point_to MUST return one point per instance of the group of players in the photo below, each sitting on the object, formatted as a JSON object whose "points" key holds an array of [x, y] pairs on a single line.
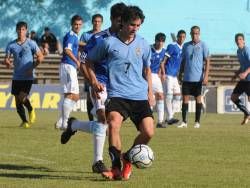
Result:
{"points": [[127, 77]]}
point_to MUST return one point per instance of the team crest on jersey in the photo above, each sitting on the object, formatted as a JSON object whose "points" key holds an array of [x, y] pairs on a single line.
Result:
{"points": [[138, 51]]}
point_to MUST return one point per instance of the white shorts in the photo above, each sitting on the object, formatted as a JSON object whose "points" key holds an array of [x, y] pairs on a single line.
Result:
{"points": [[68, 78], [98, 103], [171, 85], [156, 83]]}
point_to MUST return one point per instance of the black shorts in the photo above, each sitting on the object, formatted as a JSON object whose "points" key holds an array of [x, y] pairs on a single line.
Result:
{"points": [[192, 88], [137, 110], [241, 87], [21, 86]]}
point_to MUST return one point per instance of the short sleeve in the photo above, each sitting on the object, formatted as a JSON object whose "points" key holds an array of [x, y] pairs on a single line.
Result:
{"points": [[69, 42], [169, 51], [146, 54], [98, 52], [205, 51]]}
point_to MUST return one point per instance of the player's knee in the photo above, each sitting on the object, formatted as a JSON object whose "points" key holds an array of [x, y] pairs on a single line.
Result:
{"points": [[169, 97], [234, 98], [99, 129]]}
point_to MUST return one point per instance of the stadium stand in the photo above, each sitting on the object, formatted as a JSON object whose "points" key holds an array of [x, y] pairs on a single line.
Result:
{"points": [[222, 68]]}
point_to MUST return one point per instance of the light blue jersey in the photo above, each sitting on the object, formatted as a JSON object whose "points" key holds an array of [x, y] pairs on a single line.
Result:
{"points": [[244, 59], [70, 41], [193, 56], [23, 58], [125, 66], [100, 66], [157, 57], [86, 36], [173, 63]]}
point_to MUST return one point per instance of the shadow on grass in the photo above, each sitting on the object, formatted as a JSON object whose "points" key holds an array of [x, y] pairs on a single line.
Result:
{"points": [[22, 167]]}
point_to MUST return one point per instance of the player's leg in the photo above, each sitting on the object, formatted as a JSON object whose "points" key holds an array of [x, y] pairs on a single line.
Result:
{"points": [[235, 97], [198, 99], [185, 99], [169, 97], [176, 99]]}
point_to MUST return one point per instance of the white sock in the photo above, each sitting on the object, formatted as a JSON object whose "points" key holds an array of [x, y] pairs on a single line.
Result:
{"points": [[99, 141], [84, 126], [68, 106], [169, 108], [160, 110]]}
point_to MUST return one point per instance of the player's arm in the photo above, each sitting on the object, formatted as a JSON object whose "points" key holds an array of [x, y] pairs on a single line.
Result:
{"points": [[162, 68], [206, 71], [7, 61], [148, 76], [69, 53], [244, 74], [39, 58]]}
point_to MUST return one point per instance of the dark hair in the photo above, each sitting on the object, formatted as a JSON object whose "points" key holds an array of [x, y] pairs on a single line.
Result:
{"points": [[97, 16], [181, 32], [239, 35], [160, 37], [46, 29], [117, 10], [75, 18], [195, 27], [132, 13], [21, 24]]}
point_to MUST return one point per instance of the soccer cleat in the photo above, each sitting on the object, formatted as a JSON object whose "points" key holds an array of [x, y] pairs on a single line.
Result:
{"points": [[126, 169], [172, 121], [25, 125], [245, 120], [160, 125], [113, 174], [99, 167], [66, 135], [197, 125], [182, 125], [32, 116]]}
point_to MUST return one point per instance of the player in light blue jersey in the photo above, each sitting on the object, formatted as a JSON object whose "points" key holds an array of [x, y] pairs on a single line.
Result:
{"points": [[97, 21], [68, 71], [97, 128], [129, 87], [170, 68], [243, 74], [157, 55], [194, 54], [23, 49]]}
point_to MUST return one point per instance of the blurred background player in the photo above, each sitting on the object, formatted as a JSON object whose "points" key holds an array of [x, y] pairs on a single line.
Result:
{"points": [[23, 49], [97, 128], [68, 71], [157, 55], [97, 21], [195, 62], [170, 68], [243, 85]]}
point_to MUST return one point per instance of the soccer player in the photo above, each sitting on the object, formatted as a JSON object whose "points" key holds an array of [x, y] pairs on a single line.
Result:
{"points": [[129, 88], [97, 21], [68, 71], [243, 85], [170, 68], [97, 128], [23, 49], [157, 55], [195, 59]]}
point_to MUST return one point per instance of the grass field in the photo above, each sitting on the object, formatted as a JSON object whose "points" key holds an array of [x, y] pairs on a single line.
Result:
{"points": [[216, 155]]}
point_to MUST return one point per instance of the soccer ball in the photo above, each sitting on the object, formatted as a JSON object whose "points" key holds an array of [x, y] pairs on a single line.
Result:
{"points": [[141, 156]]}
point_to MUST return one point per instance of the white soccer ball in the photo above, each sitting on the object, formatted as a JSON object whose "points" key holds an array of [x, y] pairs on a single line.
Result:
{"points": [[141, 156]]}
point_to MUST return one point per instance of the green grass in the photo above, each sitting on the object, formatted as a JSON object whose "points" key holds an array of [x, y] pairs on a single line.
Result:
{"points": [[216, 155]]}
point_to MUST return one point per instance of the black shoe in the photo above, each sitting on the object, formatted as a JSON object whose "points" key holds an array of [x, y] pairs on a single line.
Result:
{"points": [[66, 135], [99, 167], [160, 125], [172, 121]]}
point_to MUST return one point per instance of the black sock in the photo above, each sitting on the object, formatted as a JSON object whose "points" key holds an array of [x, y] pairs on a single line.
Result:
{"points": [[240, 105], [115, 155], [21, 112], [28, 105], [126, 154], [198, 112], [184, 111], [89, 108]]}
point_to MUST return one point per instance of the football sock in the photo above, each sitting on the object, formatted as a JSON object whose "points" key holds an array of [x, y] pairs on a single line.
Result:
{"points": [[240, 105], [68, 106], [28, 105], [21, 112], [169, 107], [198, 112], [184, 112], [99, 141], [160, 110], [115, 155]]}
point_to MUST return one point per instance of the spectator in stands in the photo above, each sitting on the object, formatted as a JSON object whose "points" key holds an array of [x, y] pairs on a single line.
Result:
{"points": [[33, 36], [195, 63], [22, 50], [49, 38], [97, 21], [243, 74]]}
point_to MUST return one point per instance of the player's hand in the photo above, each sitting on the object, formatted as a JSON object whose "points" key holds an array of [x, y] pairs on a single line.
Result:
{"points": [[8, 64], [96, 89], [205, 81]]}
